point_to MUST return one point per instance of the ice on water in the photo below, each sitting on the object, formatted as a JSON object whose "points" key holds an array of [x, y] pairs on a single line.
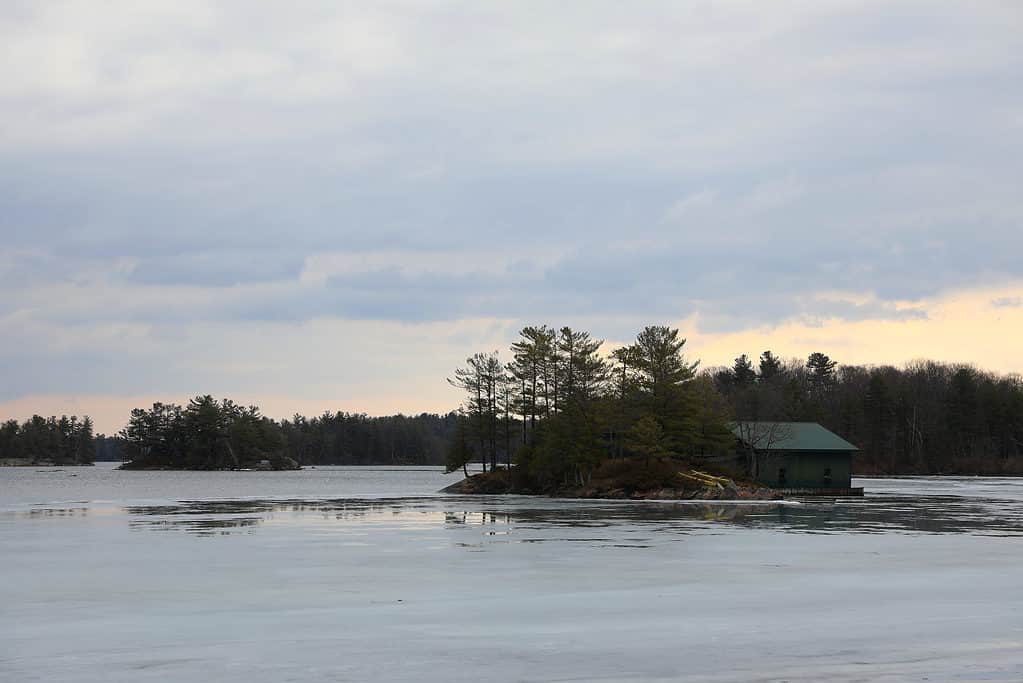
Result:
{"points": [[366, 574]]}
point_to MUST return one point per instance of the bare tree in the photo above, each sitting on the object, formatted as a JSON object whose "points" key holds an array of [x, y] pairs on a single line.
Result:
{"points": [[761, 437]]}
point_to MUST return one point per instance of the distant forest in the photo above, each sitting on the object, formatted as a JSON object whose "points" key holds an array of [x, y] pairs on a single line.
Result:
{"points": [[61, 441], [560, 406]]}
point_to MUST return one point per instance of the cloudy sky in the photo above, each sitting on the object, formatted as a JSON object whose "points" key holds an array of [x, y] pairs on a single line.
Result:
{"points": [[323, 205]]}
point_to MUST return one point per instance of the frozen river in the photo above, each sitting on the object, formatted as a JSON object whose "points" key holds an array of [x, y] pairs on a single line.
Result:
{"points": [[343, 574]]}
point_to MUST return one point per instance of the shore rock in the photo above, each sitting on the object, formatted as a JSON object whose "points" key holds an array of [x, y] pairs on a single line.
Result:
{"points": [[500, 482], [484, 483]]}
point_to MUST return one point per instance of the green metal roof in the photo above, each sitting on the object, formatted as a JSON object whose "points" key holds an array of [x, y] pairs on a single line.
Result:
{"points": [[790, 436]]}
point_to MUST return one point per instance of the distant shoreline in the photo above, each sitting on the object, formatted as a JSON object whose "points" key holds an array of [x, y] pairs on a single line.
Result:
{"points": [[25, 462]]}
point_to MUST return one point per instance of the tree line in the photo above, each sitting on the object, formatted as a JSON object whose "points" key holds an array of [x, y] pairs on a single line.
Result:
{"points": [[924, 418], [61, 441], [110, 448], [357, 439], [559, 405], [220, 434]]}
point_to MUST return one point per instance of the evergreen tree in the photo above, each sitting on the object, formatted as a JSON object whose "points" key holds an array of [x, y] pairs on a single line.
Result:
{"points": [[822, 371], [711, 414], [85, 442], [647, 439], [206, 424], [743, 374], [626, 363], [661, 364], [478, 379], [530, 356], [11, 442], [663, 373], [770, 366]]}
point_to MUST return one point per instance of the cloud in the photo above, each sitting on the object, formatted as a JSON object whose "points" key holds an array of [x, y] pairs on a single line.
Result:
{"points": [[219, 268], [181, 171]]}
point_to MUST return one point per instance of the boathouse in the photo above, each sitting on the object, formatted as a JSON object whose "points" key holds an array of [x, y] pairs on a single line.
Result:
{"points": [[798, 457]]}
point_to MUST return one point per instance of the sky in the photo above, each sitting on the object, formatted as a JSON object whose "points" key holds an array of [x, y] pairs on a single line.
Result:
{"points": [[321, 206]]}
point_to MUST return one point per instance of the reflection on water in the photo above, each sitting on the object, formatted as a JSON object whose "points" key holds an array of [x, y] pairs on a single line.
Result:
{"points": [[56, 512], [885, 513]]}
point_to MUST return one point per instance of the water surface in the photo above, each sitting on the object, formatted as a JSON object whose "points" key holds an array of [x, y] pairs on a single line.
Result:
{"points": [[368, 574]]}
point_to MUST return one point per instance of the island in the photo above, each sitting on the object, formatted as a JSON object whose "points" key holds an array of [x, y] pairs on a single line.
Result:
{"points": [[207, 434], [47, 442], [220, 434]]}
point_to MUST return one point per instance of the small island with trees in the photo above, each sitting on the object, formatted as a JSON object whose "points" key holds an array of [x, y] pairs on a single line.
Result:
{"points": [[212, 434], [40, 441], [567, 421]]}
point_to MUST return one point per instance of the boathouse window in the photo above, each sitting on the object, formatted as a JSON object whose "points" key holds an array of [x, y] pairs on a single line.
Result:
{"points": [[827, 476], [781, 476]]}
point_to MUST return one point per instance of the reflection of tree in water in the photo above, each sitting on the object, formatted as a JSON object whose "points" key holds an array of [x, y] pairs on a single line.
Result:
{"points": [[203, 526], [53, 512], [468, 518], [207, 517], [871, 515], [631, 513], [347, 505]]}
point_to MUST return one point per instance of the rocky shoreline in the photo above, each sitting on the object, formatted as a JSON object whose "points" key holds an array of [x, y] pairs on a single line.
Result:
{"points": [[681, 484]]}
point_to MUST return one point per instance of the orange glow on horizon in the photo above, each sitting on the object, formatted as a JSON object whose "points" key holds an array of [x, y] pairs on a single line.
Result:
{"points": [[982, 326]]}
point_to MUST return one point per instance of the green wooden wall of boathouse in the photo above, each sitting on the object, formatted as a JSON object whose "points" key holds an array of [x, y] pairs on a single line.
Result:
{"points": [[805, 469]]}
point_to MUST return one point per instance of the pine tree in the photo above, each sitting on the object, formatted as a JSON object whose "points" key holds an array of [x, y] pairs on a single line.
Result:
{"points": [[85, 447], [626, 359], [206, 424], [712, 415], [770, 366], [822, 373], [742, 372], [647, 439], [663, 373], [530, 356], [479, 379]]}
